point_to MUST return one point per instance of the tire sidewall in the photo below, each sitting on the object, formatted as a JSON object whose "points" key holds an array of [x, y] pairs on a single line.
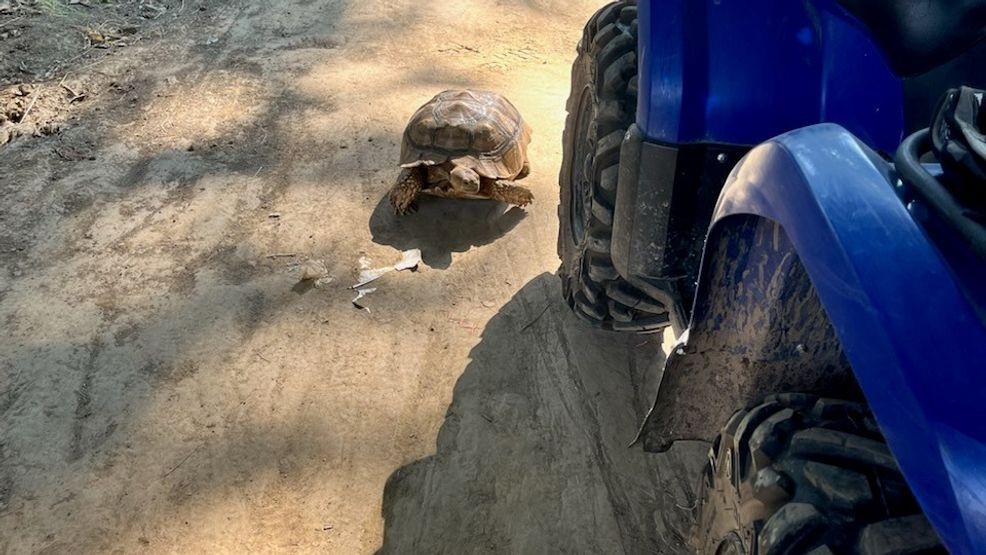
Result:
{"points": [[571, 249]]}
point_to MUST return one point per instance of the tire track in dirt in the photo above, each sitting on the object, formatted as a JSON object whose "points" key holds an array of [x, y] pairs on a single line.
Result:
{"points": [[83, 400]]}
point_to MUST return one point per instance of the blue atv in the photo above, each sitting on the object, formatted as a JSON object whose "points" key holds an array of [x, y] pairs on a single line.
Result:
{"points": [[739, 171]]}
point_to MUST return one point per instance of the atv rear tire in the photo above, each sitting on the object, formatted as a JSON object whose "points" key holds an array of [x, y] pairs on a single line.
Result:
{"points": [[800, 474], [601, 108]]}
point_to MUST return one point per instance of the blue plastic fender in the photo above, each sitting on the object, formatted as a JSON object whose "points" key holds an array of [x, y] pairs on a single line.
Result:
{"points": [[914, 341], [731, 72]]}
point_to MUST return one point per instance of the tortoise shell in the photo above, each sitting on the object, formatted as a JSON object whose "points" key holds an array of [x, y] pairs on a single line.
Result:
{"points": [[481, 130]]}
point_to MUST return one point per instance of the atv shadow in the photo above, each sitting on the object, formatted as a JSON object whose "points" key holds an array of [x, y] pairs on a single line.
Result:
{"points": [[532, 456], [440, 227]]}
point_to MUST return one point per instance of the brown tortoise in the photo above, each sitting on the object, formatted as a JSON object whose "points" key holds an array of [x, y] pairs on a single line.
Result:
{"points": [[464, 144]]}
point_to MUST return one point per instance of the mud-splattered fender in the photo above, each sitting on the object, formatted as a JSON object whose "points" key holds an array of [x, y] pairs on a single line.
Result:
{"points": [[816, 277]]}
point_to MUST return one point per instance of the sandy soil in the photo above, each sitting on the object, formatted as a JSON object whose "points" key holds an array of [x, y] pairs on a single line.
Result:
{"points": [[168, 385]]}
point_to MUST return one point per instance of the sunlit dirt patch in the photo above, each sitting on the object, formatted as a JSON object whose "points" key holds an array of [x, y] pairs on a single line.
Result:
{"points": [[27, 110], [196, 110]]}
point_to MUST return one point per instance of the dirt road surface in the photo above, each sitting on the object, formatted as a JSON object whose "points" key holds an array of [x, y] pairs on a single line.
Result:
{"points": [[166, 383]]}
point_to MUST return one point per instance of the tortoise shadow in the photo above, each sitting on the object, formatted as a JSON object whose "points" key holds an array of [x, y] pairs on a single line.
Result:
{"points": [[440, 227]]}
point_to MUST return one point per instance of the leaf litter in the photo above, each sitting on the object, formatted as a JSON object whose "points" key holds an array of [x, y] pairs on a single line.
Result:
{"points": [[410, 259]]}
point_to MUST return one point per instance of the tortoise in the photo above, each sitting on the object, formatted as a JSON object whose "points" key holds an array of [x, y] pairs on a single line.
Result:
{"points": [[464, 144]]}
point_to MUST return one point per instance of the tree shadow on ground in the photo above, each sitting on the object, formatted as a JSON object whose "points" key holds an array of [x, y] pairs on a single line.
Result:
{"points": [[533, 455], [440, 227]]}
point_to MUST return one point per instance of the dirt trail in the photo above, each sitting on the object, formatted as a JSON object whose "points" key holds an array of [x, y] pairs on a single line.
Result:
{"points": [[166, 385]]}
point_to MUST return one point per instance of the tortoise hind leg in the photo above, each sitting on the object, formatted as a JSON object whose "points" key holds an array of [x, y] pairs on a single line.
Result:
{"points": [[406, 190], [506, 191]]}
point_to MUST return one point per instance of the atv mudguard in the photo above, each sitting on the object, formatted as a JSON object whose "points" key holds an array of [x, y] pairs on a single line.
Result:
{"points": [[815, 277]]}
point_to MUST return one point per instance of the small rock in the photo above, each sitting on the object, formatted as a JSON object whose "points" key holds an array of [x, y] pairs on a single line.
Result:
{"points": [[49, 128], [312, 269]]}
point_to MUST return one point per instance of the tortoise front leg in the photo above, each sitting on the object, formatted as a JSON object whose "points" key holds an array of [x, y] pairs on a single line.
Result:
{"points": [[506, 191], [408, 186]]}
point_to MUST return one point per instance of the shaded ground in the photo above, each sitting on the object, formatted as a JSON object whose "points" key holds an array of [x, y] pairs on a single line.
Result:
{"points": [[533, 457], [166, 387]]}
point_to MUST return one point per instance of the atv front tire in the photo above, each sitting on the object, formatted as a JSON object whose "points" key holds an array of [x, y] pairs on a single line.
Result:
{"points": [[601, 108], [801, 474]]}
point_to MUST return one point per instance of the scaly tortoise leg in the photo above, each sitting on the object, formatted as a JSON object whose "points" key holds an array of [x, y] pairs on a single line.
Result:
{"points": [[406, 190], [506, 191]]}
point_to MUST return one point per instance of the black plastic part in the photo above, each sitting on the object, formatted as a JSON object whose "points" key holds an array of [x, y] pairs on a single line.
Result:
{"points": [[918, 35], [664, 204], [916, 179], [640, 222], [803, 474], [700, 174], [921, 92], [640, 226], [958, 139], [951, 204]]}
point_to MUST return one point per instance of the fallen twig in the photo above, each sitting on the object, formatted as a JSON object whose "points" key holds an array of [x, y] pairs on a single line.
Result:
{"points": [[360, 293], [9, 21], [34, 99], [62, 155], [67, 88], [536, 318], [182, 461], [75, 95], [282, 255], [64, 63], [687, 507]]}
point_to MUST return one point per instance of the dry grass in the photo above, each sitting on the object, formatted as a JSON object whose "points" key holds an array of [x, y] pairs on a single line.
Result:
{"points": [[54, 8]]}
